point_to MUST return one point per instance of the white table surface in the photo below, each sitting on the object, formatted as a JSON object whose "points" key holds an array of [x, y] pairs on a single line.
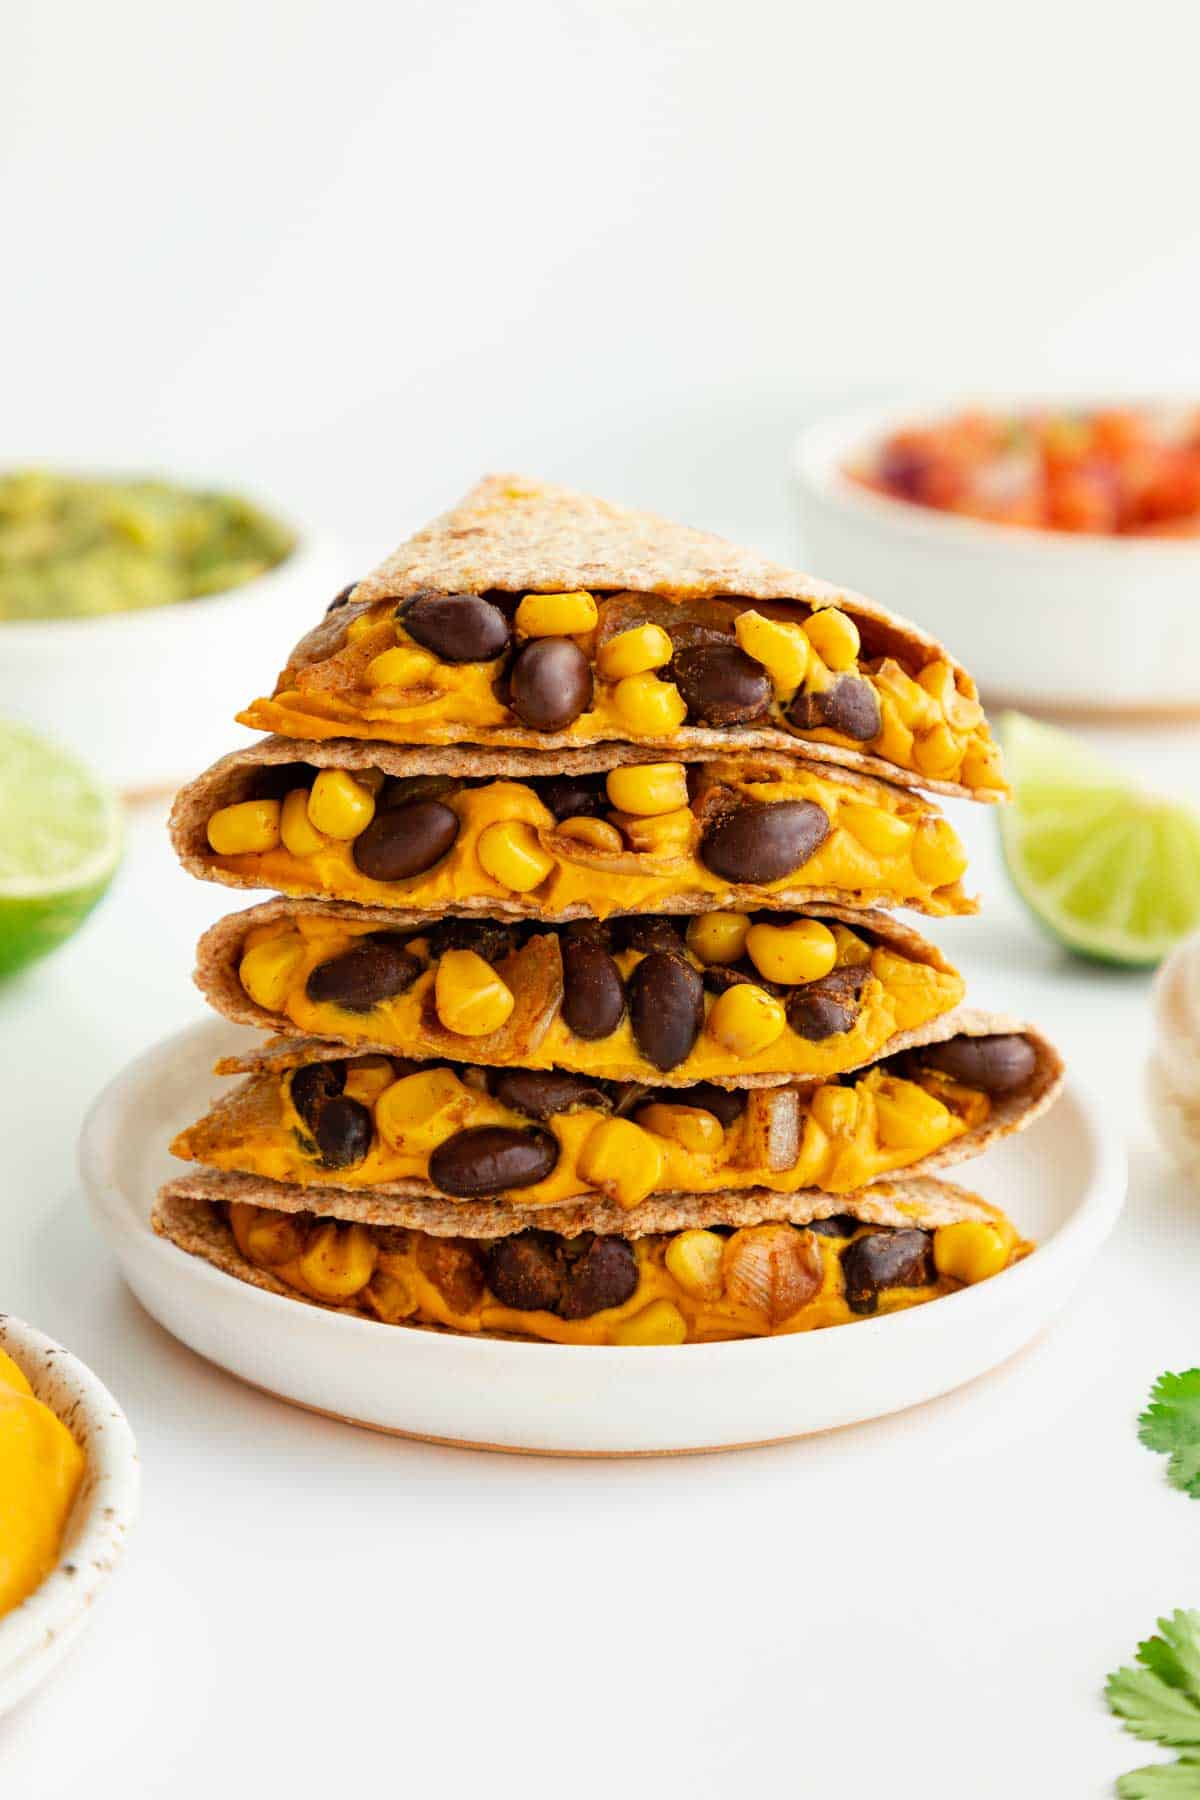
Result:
{"points": [[925, 1605]]}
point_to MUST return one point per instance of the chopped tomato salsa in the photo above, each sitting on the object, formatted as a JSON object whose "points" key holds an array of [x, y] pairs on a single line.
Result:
{"points": [[1121, 472]]}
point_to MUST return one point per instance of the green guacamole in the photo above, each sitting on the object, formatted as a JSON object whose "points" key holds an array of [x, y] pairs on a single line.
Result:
{"points": [[72, 547]]}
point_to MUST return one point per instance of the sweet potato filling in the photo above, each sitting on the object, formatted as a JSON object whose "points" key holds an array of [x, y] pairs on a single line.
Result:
{"points": [[614, 843], [632, 1000], [696, 1286], [535, 1140], [639, 667]]}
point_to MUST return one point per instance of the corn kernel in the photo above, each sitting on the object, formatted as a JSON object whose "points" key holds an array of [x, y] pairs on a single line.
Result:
{"points": [[658, 1323], [556, 615], [694, 1259], [469, 996], [937, 855], [970, 1250], [361, 626], [391, 1296], [295, 826], [745, 1020], [937, 752], [802, 951], [401, 667], [781, 649], [339, 805], [666, 835], [250, 827], [648, 789], [510, 852], [835, 1109], [958, 709], [895, 741], [340, 1260], [597, 834], [418, 1111], [649, 707], [691, 1127], [265, 1237], [268, 969], [622, 1160], [367, 1077], [881, 832], [913, 707], [634, 652], [834, 637], [852, 951], [981, 766], [718, 937], [907, 1117]]}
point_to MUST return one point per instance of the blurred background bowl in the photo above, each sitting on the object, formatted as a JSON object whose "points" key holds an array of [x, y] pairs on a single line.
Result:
{"points": [[1057, 622], [36, 1634], [147, 697]]}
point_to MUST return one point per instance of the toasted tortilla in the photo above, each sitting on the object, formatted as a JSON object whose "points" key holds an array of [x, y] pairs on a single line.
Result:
{"points": [[232, 779], [184, 1212], [522, 536], [253, 1102], [219, 954]]}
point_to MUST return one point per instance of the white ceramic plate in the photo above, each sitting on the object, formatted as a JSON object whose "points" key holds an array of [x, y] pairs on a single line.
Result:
{"points": [[38, 1632], [1040, 618], [1063, 1182]]}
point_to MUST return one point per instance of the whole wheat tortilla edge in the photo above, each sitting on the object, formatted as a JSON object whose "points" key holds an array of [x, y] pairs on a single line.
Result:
{"points": [[218, 955], [914, 1200]]}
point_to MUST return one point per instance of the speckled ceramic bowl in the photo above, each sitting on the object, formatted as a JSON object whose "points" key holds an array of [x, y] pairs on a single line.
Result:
{"points": [[37, 1634]]}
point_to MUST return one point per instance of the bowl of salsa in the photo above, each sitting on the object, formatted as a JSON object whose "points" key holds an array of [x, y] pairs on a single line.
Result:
{"points": [[1054, 545], [134, 609]]}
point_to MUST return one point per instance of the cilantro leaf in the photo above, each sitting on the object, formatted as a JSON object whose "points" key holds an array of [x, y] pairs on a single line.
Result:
{"points": [[1179, 1780], [1172, 1419], [1160, 1700], [1174, 1656]]}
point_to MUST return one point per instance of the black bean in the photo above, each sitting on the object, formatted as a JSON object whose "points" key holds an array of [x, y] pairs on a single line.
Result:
{"points": [[885, 1259], [590, 931], [826, 1008], [841, 1225], [490, 938], [374, 970], [341, 599], [1001, 1064], [666, 1008], [574, 796], [550, 684], [720, 977], [605, 1275], [593, 1002], [398, 790], [275, 781], [489, 1159], [343, 1132], [850, 705], [313, 1085], [525, 1271], [727, 1104], [542, 1094], [761, 843], [458, 628], [405, 840], [721, 685], [646, 934]]}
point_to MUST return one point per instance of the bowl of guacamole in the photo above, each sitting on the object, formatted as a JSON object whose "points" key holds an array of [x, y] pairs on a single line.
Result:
{"points": [[137, 611], [85, 546]]}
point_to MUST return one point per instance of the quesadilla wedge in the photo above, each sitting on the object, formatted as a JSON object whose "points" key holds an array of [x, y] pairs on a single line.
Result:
{"points": [[596, 832], [381, 1126], [697, 1271], [741, 998], [532, 616]]}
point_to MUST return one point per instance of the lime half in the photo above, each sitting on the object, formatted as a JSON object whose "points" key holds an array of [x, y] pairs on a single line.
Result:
{"points": [[60, 842], [1112, 872]]}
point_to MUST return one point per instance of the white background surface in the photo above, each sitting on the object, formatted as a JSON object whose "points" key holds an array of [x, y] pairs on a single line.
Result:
{"points": [[351, 256]]}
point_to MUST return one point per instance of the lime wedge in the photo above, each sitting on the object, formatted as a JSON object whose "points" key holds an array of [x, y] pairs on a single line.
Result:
{"points": [[60, 842], [1110, 871]]}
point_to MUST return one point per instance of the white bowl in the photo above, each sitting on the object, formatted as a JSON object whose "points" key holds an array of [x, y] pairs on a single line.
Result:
{"points": [[148, 697], [36, 1634], [1063, 1181], [1083, 625]]}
